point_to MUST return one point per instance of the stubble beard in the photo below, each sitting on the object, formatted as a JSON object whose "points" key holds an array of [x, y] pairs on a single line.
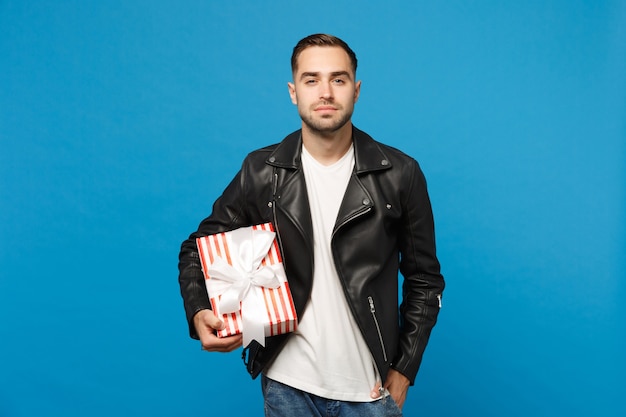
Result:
{"points": [[325, 126]]}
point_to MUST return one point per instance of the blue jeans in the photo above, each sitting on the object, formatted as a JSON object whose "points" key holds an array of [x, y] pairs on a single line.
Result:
{"points": [[284, 401]]}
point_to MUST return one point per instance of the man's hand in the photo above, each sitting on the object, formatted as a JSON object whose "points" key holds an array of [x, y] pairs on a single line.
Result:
{"points": [[206, 324], [397, 385]]}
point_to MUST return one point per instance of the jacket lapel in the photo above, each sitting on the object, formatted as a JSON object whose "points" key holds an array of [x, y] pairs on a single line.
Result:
{"points": [[291, 195], [368, 157]]}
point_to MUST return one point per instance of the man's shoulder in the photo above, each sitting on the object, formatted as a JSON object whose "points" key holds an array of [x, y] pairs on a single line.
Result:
{"points": [[264, 151], [270, 148], [263, 154], [391, 152]]}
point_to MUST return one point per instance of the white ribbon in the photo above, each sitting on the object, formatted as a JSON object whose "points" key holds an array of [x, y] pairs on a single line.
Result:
{"points": [[247, 248]]}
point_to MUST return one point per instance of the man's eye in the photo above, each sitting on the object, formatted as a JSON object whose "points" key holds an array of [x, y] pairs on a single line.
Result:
{"points": [[310, 81], [339, 81]]}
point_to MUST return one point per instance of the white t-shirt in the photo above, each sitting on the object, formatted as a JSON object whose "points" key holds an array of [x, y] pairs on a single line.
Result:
{"points": [[327, 356]]}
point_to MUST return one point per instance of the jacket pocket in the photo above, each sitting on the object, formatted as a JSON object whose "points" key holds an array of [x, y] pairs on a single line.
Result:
{"points": [[380, 335]]}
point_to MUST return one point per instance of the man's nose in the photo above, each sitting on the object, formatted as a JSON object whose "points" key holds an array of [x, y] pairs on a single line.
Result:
{"points": [[326, 91]]}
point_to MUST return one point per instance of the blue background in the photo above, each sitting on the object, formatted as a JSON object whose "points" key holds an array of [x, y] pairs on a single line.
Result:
{"points": [[122, 121]]}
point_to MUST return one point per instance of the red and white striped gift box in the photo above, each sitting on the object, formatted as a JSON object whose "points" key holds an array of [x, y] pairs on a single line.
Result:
{"points": [[279, 315]]}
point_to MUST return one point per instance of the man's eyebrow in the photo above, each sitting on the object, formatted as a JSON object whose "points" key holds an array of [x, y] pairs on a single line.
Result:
{"points": [[309, 74], [332, 74], [341, 74]]}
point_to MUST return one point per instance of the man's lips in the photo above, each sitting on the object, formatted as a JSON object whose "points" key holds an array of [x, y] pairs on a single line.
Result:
{"points": [[325, 108]]}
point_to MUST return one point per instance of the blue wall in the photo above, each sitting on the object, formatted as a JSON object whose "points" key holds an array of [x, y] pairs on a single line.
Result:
{"points": [[121, 122]]}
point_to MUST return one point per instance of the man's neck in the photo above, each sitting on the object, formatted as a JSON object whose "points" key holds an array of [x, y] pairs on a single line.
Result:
{"points": [[327, 148]]}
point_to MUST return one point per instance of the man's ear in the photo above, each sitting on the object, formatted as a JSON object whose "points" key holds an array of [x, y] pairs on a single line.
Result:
{"points": [[292, 93], [357, 91]]}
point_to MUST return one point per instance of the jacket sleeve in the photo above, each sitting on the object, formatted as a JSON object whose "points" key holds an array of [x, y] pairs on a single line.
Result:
{"points": [[423, 283], [228, 214]]}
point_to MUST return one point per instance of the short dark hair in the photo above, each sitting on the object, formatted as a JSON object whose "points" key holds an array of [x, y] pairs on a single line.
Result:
{"points": [[321, 39]]}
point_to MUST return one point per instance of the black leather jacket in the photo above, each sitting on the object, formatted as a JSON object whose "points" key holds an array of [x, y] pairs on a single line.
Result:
{"points": [[385, 225]]}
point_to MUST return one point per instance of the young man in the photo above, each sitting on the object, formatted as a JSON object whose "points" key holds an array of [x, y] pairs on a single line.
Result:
{"points": [[349, 213]]}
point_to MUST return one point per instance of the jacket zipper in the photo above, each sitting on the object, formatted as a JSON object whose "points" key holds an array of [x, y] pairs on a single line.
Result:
{"points": [[358, 212], [349, 219], [380, 336], [273, 205]]}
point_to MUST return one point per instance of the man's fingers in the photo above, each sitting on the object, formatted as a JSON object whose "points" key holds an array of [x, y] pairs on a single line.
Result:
{"points": [[206, 324], [375, 392], [206, 318], [397, 385], [213, 322], [212, 343]]}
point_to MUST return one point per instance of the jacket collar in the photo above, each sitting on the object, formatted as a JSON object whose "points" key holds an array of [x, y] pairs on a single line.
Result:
{"points": [[368, 156]]}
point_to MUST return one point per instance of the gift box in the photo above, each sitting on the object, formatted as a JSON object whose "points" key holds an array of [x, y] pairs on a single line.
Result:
{"points": [[246, 282]]}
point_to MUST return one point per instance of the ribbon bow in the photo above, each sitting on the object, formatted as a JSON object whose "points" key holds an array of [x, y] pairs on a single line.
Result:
{"points": [[247, 247]]}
